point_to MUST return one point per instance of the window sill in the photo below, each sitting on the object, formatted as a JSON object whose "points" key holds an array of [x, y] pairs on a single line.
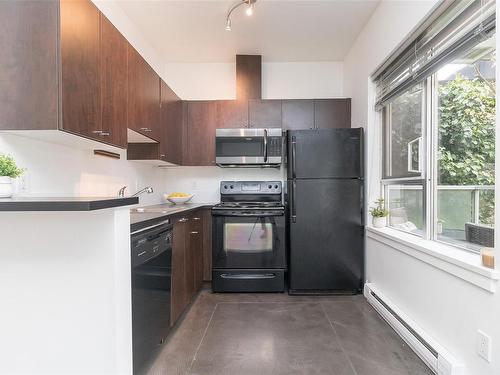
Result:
{"points": [[462, 264]]}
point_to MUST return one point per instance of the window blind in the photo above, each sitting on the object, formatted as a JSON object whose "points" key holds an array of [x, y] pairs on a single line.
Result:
{"points": [[459, 26]]}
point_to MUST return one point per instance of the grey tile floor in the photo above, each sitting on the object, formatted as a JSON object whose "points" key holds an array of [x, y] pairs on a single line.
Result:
{"points": [[260, 334]]}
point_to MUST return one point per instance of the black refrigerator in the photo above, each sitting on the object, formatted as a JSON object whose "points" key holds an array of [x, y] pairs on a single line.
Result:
{"points": [[325, 211]]}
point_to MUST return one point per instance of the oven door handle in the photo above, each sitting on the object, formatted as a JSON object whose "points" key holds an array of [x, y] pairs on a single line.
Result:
{"points": [[215, 213], [248, 276]]}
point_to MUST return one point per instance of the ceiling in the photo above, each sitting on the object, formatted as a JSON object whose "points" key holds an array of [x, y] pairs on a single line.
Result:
{"points": [[279, 30]]}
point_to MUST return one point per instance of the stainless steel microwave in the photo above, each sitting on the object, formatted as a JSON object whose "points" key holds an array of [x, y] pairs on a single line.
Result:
{"points": [[248, 147]]}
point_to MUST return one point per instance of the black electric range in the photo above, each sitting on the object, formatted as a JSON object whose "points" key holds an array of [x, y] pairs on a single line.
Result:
{"points": [[248, 248]]}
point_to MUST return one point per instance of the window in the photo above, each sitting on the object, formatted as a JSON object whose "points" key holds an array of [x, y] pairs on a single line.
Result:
{"points": [[436, 96], [439, 152], [465, 164], [403, 121]]}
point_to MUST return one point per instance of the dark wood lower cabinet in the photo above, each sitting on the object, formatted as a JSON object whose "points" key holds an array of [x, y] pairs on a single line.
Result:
{"points": [[187, 261], [178, 291], [207, 245], [197, 248]]}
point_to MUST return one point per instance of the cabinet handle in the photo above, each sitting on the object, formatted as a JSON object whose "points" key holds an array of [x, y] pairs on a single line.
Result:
{"points": [[146, 129], [194, 232], [183, 220], [196, 218], [102, 133], [162, 155]]}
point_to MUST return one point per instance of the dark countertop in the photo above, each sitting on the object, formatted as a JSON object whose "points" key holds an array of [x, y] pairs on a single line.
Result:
{"points": [[159, 212], [64, 203]]}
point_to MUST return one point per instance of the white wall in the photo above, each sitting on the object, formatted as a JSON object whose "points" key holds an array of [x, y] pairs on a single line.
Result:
{"points": [[56, 170], [280, 80], [450, 309], [384, 31], [204, 181]]}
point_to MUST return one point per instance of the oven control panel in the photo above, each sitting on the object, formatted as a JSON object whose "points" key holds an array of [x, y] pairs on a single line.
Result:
{"points": [[250, 187]]}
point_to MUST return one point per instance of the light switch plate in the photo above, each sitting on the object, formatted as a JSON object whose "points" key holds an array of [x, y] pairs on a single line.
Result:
{"points": [[483, 345]]}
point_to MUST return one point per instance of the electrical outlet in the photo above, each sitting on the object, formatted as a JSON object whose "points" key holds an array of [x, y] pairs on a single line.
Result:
{"points": [[483, 345]]}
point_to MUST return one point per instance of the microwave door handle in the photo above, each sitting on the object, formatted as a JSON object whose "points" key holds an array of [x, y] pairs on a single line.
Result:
{"points": [[265, 145]]}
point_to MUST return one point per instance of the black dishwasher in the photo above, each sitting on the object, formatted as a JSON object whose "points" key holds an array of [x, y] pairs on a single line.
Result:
{"points": [[151, 259]]}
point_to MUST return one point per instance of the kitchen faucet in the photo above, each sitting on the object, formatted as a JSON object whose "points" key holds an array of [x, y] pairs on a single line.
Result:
{"points": [[147, 189]]}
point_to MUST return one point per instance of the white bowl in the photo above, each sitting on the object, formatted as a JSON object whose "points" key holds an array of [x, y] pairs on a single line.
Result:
{"points": [[178, 200]]}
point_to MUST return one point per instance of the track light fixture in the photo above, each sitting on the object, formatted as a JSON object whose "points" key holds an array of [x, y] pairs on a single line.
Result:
{"points": [[248, 11]]}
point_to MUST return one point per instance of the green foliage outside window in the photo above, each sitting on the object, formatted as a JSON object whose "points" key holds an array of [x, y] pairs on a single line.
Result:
{"points": [[467, 137]]}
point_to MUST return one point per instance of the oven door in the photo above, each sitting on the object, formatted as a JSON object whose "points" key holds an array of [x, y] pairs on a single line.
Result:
{"points": [[240, 146], [248, 240]]}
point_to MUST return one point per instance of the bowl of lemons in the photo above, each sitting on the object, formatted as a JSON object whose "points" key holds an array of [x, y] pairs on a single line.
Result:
{"points": [[178, 198]]}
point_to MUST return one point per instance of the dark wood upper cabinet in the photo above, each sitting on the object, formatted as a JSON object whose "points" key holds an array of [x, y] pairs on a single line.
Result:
{"points": [[80, 68], [143, 96], [232, 113], [332, 113], [298, 114], [200, 135], [264, 113], [28, 65], [248, 77], [113, 53], [172, 125]]}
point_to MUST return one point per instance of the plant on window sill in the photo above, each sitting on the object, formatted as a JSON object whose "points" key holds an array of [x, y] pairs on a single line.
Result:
{"points": [[379, 214]]}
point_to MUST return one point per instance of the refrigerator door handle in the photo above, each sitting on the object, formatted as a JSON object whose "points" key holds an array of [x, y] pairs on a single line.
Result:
{"points": [[294, 157], [293, 208], [265, 145]]}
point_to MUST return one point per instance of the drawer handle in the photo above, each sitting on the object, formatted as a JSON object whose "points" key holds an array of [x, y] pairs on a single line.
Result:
{"points": [[146, 129], [194, 232], [183, 220], [196, 218], [141, 254]]}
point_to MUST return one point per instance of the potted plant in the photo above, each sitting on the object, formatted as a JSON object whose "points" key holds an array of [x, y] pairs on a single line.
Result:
{"points": [[8, 171], [379, 214], [440, 224]]}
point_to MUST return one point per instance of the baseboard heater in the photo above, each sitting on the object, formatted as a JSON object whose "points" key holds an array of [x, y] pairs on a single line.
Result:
{"points": [[439, 360]]}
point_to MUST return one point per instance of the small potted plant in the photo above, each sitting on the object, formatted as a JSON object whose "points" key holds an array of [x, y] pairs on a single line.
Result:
{"points": [[379, 214], [440, 225], [8, 171]]}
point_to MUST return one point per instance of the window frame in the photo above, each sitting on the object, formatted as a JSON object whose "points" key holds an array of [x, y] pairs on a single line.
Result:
{"points": [[410, 180], [429, 169]]}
